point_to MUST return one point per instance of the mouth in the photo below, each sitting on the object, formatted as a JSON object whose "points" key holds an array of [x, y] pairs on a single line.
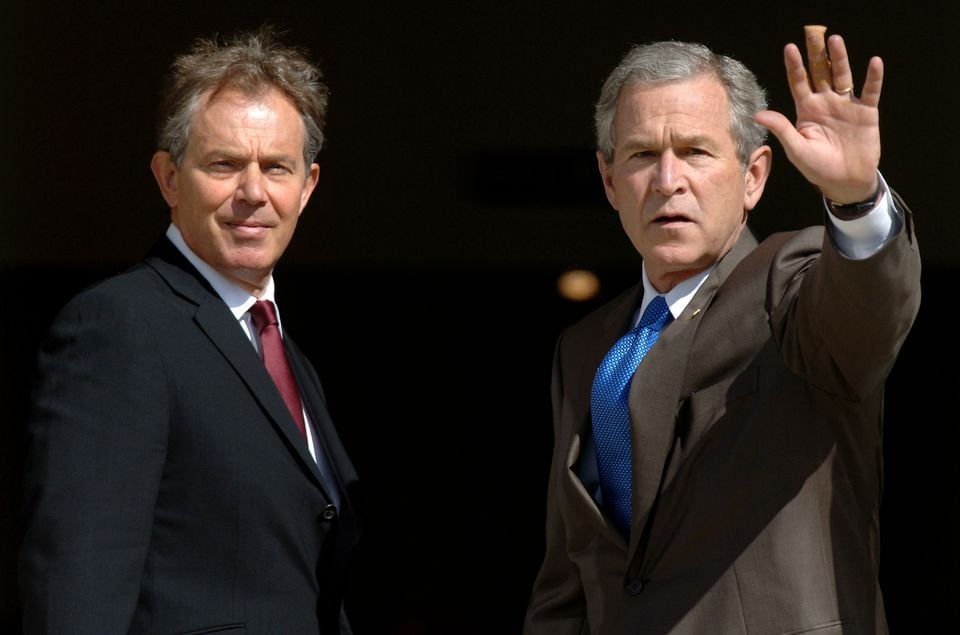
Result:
{"points": [[247, 229], [669, 219]]}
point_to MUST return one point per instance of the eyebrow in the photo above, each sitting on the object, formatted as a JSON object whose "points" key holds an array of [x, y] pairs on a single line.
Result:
{"points": [[674, 141], [225, 153]]}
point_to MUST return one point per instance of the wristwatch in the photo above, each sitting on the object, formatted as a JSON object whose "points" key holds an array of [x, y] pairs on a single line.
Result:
{"points": [[850, 211]]}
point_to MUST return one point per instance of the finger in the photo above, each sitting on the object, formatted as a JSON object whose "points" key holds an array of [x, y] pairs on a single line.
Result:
{"points": [[840, 66], [820, 78], [873, 84], [796, 72]]}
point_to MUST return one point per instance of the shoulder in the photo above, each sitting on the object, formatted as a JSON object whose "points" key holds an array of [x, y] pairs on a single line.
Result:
{"points": [[124, 307], [782, 247], [775, 261], [130, 291], [624, 301], [612, 317]]}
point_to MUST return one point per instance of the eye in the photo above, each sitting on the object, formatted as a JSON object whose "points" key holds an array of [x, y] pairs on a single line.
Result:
{"points": [[278, 168], [694, 151], [223, 165]]}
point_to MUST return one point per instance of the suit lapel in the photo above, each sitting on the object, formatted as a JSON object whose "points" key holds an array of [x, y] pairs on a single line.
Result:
{"points": [[653, 399], [655, 395], [216, 321], [220, 326], [327, 439], [315, 404]]}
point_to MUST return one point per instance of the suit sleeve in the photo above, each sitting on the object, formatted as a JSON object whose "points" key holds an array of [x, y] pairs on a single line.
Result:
{"points": [[557, 604], [842, 322], [96, 435]]}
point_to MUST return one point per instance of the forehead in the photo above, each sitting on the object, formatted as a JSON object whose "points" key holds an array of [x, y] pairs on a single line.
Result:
{"points": [[697, 105], [230, 110]]}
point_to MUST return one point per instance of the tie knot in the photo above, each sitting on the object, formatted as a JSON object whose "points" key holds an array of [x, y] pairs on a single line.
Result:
{"points": [[263, 314], [656, 314]]}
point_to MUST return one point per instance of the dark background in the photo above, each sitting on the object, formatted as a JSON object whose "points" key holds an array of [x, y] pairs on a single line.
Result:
{"points": [[458, 182]]}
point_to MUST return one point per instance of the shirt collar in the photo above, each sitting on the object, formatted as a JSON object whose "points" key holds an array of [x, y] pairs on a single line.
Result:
{"points": [[237, 299], [677, 298]]}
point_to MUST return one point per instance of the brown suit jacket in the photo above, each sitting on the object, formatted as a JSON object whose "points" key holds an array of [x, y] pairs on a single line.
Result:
{"points": [[756, 450]]}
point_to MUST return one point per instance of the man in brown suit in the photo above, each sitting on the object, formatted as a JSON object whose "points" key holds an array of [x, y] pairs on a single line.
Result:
{"points": [[742, 495]]}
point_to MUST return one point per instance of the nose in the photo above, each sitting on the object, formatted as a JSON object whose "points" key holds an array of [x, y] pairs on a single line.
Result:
{"points": [[668, 179], [251, 188]]}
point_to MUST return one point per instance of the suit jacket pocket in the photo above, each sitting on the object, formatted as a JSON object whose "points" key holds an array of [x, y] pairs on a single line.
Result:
{"points": [[220, 628], [703, 407], [830, 628]]}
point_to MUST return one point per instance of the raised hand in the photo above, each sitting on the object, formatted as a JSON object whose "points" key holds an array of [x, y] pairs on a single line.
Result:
{"points": [[836, 140]]}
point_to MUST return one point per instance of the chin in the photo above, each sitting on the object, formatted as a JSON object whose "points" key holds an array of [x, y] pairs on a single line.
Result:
{"points": [[675, 257], [251, 257], [260, 266]]}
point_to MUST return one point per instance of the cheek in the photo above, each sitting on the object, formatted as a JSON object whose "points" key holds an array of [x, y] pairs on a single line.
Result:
{"points": [[733, 185], [635, 186], [728, 194], [634, 230], [287, 202], [204, 205]]}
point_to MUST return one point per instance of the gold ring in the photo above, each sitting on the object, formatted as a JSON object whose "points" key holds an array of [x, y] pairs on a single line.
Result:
{"points": [[843, 91]]}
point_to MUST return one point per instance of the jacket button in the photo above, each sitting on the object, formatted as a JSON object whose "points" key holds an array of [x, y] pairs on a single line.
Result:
{"points": [[329, 513], [634, 587]]}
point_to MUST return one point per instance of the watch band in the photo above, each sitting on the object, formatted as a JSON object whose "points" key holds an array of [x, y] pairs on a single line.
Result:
{"points": [[849, 211]]}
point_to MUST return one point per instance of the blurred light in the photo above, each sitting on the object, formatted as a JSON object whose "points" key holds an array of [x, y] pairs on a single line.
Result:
{"points": [[578, 285]]}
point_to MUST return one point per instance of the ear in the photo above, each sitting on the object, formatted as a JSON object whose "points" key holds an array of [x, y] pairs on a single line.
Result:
{"points": [[607, 177], [312, 178], [755, 178], [165, 172]]}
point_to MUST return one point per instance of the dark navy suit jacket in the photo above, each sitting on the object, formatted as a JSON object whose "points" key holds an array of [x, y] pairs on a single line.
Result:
{"points": [[167, 488]]}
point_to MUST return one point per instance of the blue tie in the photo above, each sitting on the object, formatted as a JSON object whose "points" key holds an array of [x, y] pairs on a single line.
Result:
{"points": [[611, 416]]}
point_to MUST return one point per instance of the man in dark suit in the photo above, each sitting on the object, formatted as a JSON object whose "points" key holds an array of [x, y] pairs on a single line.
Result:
{"points": [[173, 484], [729, 480]]}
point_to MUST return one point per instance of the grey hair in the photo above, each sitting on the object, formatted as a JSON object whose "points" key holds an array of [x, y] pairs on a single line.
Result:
{"points": [[664, 62], [252, 63]]}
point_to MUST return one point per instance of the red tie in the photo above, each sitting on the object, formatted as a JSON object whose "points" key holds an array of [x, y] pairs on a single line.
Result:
{"points": [[275, 359]]}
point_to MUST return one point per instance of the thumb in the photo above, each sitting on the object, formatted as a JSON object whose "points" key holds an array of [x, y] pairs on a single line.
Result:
{"points": [[781, 128]]}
